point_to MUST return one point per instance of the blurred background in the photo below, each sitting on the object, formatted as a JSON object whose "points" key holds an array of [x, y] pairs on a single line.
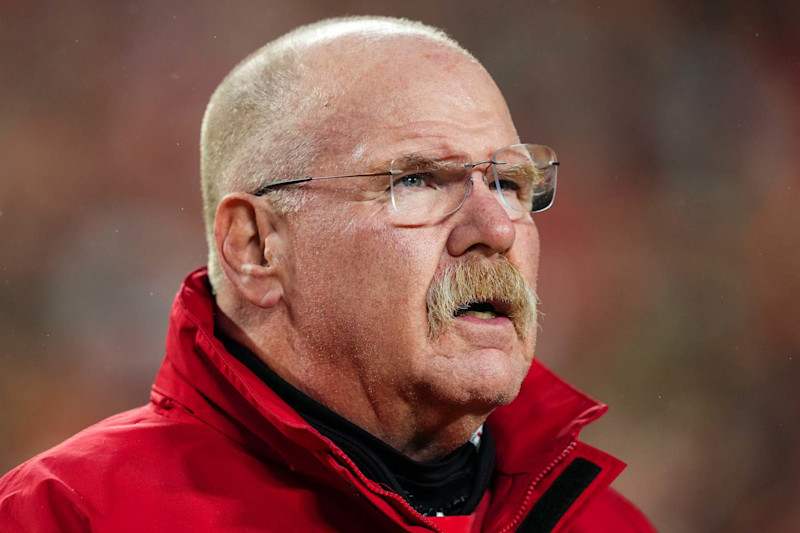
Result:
{"points": [[670, 274]]}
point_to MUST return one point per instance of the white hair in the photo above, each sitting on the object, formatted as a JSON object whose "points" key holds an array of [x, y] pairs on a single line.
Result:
{"points": [[252, 128]]}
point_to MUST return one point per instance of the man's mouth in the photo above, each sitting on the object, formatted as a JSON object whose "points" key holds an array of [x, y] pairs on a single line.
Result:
{"points": [[484, 310], [493, 293]]}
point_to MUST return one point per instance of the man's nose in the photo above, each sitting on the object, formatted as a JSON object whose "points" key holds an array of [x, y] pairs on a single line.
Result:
{"points": [[483, 223]]}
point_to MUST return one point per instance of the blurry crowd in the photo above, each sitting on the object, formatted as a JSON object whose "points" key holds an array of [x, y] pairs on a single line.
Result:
{"points": [[670, 275]]}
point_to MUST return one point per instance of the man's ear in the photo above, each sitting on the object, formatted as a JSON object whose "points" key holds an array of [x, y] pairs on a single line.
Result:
{"points": [[247, 234]]}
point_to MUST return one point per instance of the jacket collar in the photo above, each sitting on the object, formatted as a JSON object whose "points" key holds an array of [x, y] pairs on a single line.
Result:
{"points": [[201, 375]]}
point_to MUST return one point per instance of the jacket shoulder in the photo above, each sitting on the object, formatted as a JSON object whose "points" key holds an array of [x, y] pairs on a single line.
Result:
{"points": [[610, 512], [32, 500], [58, 489]]}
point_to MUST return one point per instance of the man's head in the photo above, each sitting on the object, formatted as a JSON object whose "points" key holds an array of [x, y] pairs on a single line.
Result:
{"points": [[357, 305], [260, 124]]}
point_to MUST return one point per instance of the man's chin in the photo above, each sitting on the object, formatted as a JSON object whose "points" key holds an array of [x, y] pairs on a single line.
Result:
{"points": [[490, 378], [497, 392]]}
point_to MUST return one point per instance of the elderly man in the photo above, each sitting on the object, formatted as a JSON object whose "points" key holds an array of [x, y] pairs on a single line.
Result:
{"points": [[358, 356]]}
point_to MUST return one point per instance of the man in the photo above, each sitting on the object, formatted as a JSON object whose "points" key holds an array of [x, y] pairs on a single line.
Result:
{"points": [[369, 303]]}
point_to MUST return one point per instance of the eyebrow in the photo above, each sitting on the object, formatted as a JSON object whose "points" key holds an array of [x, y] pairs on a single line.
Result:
{"points": [[408, 161], [519, 171]]}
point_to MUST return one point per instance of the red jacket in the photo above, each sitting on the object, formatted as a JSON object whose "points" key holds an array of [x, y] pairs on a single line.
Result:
{"points": [[217, 450]]}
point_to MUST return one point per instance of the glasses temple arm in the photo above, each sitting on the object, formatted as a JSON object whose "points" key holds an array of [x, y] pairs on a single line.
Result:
{"points": [[265, 188]]}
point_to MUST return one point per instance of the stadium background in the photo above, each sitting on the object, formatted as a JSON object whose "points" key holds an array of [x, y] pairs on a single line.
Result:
{"points": [[670, 274]]}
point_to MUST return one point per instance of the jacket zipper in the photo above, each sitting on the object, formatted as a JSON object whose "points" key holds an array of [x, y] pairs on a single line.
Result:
{"points": [[385, 493], [526, 501]]}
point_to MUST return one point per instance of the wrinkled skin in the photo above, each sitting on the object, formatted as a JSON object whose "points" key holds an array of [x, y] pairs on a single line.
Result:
{"points": [[354, 284]]}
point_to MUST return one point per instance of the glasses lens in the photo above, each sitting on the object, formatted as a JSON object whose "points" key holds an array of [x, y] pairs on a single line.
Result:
{"points": [[428, 187], [525, 176]]}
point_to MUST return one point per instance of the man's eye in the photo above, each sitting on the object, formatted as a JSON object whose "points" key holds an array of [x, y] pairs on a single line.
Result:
{"points": [[419, 179]]}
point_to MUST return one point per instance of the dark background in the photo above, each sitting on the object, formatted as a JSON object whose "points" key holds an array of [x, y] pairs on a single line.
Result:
{"points": [[670, 276]]}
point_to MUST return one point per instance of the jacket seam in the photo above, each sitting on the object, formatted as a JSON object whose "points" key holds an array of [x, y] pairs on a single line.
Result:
{"points": [[191, 417]]}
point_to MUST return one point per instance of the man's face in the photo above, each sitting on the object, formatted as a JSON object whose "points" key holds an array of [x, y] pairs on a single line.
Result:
{"points": [[359, 280]]}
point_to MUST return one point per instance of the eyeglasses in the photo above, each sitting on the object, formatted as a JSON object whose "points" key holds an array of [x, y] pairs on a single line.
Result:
{"points": [[424, 186]]}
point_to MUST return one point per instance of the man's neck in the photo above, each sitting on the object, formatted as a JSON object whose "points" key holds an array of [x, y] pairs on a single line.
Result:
{"points": [[452, 485], [423, 429]]}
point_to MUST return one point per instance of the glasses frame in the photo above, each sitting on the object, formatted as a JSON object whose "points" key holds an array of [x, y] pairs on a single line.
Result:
{"points": [[396, 172]]}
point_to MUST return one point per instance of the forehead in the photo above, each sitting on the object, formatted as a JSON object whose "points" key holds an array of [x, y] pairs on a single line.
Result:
{"points": [[381, 100]]}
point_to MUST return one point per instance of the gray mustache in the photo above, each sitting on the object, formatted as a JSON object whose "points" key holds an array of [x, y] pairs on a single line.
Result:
{"points": [[479, 280]]}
